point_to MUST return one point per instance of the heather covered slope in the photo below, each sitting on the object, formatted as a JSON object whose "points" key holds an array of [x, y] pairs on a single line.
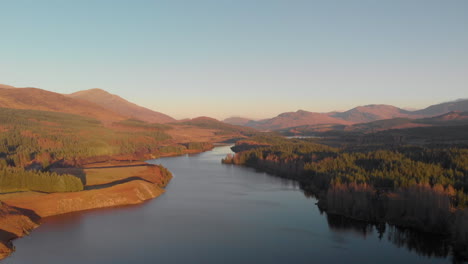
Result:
{"points": [[121, 106], [38, 99]]}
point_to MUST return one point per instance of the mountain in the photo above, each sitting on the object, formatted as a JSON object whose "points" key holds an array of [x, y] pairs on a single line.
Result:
{"points": [[368, 113], [4, 86], [211, 123], [38, 99], [311, 121], [294, 119], [453, 118], [446, 120], [238, 121], [121, 106], [439, 109]]}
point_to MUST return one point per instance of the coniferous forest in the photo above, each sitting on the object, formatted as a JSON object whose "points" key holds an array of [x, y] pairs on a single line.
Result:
{"points": [[421, 187], [32, 142]]}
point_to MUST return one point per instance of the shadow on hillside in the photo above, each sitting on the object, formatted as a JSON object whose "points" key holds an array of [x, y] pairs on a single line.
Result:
{"points": [[29, 213], [77, 172], [6, 237], [110, 184]]}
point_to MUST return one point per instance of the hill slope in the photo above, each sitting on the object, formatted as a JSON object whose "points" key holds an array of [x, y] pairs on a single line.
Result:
{"points": [[294, 119], [443, 108], [357, 115], [446, 120], [4, 86], [368, 113], [38, 99], [121, 106]]}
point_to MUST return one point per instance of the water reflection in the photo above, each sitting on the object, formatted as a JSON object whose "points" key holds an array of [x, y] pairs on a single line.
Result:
{"points": [[423, 244]]}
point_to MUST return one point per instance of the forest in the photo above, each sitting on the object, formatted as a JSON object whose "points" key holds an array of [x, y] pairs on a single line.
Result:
{"points": [[19, 179], [32, 141], [422, 187], [383, 169]]}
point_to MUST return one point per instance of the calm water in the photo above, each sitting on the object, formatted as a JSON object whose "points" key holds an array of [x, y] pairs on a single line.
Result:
{"points": [[215, 213]]}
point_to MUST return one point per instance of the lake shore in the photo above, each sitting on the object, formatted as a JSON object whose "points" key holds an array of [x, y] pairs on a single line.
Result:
{"points": [[421, 207], [110, 183]]}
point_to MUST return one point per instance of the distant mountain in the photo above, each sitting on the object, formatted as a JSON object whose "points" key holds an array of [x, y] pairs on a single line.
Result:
{"points": [[369, 113], [448, 119], [121, 106], [439, 109], [453, 117], [211, 123], [358, 115], [294, 119], [4, 86], [238, 121], [38, 99]]}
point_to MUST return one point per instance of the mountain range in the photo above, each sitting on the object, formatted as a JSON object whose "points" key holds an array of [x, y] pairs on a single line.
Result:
{"points": [[107, 107], [357, 115], [449, 119]]}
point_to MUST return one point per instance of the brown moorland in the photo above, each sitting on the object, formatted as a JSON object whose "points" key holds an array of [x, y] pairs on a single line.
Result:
{"points": [[298, 118], [38, 99], [368, 113], [121, 106], [357, 115]]}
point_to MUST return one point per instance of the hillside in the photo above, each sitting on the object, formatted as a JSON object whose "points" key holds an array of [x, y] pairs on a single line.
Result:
{"points": [[368, 113], [311, 121], [449, 119], [439, 109], [294, 119], [4, 86], [121, 106], [36, 136], [38, 99]]}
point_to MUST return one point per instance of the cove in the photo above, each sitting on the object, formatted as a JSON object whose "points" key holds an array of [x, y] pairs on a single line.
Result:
{"points": [[215, 213]]}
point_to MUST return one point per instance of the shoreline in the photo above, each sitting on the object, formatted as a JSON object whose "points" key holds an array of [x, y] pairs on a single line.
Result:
{"points": [[109, 184], [458, 249]]}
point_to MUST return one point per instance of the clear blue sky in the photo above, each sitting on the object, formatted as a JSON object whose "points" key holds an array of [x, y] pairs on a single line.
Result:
{"points": [[254, 58]]}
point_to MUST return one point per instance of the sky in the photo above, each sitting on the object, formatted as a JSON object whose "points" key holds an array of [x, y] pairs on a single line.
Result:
{"points": [[251, 58]]}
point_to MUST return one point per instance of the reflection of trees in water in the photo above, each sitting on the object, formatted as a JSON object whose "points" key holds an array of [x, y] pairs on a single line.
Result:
{"points": [[341, 224], [423, 244]]}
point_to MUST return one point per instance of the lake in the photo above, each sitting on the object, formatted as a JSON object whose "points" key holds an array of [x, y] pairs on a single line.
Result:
{"points": [[216, 213]]}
